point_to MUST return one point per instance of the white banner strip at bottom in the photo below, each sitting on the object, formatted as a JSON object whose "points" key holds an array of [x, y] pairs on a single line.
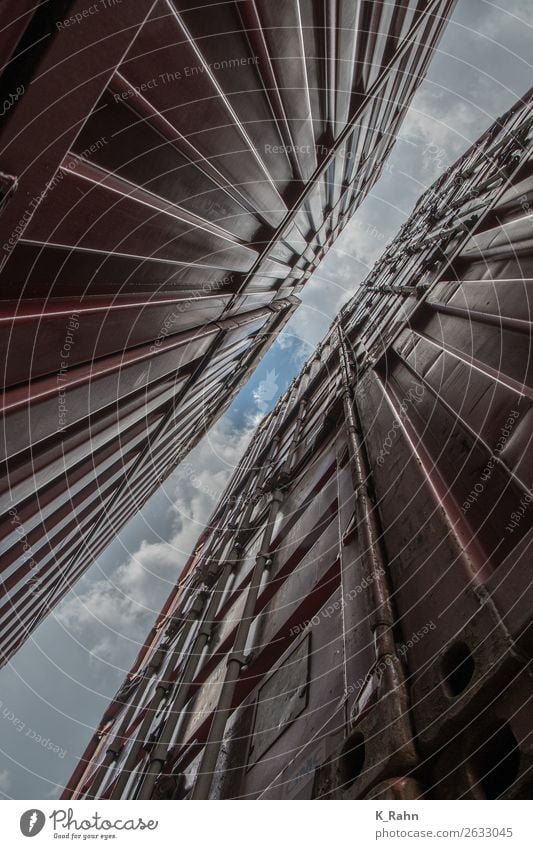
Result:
{"points": [[242, 824]]}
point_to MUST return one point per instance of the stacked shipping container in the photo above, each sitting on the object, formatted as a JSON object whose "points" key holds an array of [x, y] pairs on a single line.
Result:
{"points": [[356, 619], [171, 175]]}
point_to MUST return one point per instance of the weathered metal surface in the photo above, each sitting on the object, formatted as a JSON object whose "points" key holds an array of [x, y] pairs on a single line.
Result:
{"points": [[493, 756]]}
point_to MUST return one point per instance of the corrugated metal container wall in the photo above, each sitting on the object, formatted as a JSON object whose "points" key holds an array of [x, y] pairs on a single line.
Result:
{"points": [[171, 175]]}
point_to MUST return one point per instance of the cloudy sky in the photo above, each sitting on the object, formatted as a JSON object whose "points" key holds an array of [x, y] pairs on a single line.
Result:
{"points": [[55, 690]]}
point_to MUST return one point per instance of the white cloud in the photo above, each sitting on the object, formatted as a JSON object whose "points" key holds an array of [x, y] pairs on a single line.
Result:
{"points": [[440, 129]]}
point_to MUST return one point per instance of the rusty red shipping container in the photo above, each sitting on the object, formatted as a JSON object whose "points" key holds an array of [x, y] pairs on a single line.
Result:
{"points": [[356, 620], [171, 174]]}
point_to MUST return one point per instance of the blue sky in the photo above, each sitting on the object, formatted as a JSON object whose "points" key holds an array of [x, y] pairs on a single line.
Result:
{"points": [[56, 688]]}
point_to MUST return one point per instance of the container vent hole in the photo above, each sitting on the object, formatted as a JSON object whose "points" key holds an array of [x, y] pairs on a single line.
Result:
{"points": [[497, 762], [457, 669], [352, 759]]}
